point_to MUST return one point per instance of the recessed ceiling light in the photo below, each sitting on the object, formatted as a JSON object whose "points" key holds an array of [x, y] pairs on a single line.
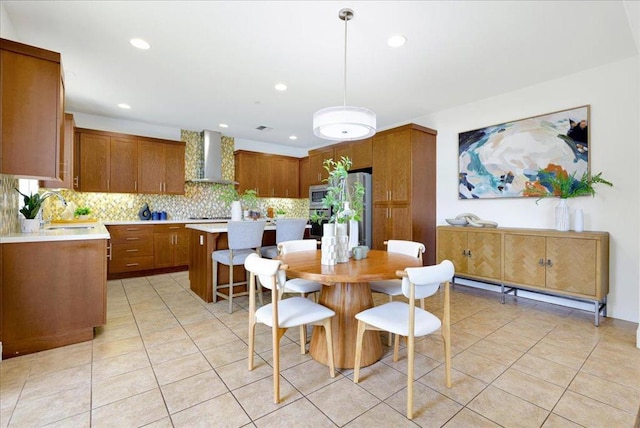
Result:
{"points": [[124, 106], [293, 137], [280, 87], [396, 41], [223, 125], [140, 44]]}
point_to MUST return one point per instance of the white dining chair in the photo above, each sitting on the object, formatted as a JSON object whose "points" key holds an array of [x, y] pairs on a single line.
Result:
{"points": [[287, 229], [393, 287], [404, 319], [282, 314], [244, 238], [298, 285]]}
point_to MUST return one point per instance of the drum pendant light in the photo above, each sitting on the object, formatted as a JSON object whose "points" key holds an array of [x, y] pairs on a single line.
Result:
{"points": [[344, 123]]}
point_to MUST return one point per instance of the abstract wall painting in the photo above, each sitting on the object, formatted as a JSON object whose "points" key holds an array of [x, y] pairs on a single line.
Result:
{"points": [[503, 161]]}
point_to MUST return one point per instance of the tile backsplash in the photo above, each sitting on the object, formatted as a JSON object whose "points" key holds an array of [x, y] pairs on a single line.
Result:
{"points": [[199, 200]]}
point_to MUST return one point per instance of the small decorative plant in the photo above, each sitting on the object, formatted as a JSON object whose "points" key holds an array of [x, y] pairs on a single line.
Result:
{"points": [[556, 182], [32, 204], [338, 196], [280, 212], [82, 211]]}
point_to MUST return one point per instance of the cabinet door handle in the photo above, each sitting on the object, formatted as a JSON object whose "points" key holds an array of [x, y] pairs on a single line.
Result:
{"points": [[174, 227], [161, 187], [109, 251], [468, 253], [76, 182], [549, 263], [541, 262], [108, 184], [135, 185], [201, 239], [135, 250], [132, 264], [133, 239], [130, 229]]}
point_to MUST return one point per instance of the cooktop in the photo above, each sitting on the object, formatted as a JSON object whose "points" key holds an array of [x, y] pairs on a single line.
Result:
{"points": [[209, 218]]}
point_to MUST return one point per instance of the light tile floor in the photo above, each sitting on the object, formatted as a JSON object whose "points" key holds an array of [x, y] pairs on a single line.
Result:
{"points": [[167, 359]]}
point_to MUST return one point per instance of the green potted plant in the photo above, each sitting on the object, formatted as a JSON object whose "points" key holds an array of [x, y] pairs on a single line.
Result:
{"points": [[554, 181], [280, 213], [230, 195], [82, 213], [30, 210]]}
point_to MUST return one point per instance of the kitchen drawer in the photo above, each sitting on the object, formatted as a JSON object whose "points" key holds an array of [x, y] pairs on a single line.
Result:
{"points": [[167, 228], [130, 264], [132, 249], [130, 233]]}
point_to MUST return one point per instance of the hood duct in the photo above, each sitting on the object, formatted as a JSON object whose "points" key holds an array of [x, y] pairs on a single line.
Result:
{"points": [[210, 169]]}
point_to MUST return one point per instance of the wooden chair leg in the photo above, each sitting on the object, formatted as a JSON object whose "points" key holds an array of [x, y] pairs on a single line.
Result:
{"points": [[396, 348], [303, 340], [329, 335], [277, 335], [252, 338], [359, 337], [410, 349]]}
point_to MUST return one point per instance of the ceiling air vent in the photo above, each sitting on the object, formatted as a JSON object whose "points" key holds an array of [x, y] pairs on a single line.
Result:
{"points": [[263, 128]]}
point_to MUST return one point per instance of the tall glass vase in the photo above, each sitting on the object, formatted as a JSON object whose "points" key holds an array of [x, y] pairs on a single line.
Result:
{"points": [[562, 216]]}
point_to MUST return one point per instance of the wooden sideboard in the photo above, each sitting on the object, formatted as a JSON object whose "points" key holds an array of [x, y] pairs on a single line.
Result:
{"points": [[574, 265]]}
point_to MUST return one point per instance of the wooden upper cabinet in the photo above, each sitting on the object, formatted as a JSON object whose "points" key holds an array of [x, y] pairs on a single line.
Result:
{"points": [[272, 176], [123, 169], [174, 168], [360, 153], [392, 168], [31, 112], [95, 162], [317, 173], [303, 166], [121, 163], [67, 163], [160, 167]]}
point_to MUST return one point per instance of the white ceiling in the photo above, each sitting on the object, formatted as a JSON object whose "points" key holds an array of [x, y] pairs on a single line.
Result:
{"points": [[217, 61]]}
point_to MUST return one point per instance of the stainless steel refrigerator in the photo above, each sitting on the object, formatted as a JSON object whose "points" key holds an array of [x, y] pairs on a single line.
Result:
{"points": [[364, 235]]}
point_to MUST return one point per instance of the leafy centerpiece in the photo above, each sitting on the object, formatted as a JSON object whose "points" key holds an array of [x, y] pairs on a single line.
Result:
{"points": [[230, 195], [345, 206], [554, 181]]}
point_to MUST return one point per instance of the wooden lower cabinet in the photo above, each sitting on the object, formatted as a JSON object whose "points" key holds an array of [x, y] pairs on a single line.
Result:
{"points": [[566, 264], [391, 222], [131, 248], [138, 249], [55, 302], [475, 253], [570, 266], [170, 246]]}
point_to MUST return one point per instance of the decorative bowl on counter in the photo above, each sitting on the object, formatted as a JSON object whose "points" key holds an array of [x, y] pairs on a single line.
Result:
{"points": [[457, 221]]}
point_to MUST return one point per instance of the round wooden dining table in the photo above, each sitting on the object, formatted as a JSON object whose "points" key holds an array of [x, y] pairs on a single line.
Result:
{"points": [[346, 292]]}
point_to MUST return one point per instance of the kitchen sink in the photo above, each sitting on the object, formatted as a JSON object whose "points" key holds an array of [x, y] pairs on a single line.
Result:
{"points": [[68, 226]]}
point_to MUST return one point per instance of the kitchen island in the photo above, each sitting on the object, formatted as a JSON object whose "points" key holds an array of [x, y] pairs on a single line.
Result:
{"points": [[204, 240], [52, 288]]}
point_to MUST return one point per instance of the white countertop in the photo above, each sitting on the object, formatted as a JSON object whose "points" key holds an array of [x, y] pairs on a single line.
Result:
{"points": [[172, 221], [95, 231]]}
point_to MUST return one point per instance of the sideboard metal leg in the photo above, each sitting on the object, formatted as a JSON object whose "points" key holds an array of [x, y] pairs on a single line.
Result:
{"points": [[502, 299], [597, 311]]}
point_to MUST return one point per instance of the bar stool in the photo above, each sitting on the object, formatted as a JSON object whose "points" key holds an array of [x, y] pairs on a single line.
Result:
{"points": [[244, 238], [287, 229]]}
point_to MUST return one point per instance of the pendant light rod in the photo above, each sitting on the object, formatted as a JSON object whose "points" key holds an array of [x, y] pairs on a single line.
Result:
{"points": [[344, 123], [346, 15]]}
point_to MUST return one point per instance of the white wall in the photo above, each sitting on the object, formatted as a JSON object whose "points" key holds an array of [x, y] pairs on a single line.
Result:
{"points": [[612, 92]]}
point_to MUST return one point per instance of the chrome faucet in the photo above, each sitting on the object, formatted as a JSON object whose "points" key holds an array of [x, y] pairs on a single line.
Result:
{"points": [[46, 194]]}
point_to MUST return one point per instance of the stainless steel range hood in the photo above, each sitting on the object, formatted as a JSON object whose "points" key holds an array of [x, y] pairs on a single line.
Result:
{"points": [[210, 170]]}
